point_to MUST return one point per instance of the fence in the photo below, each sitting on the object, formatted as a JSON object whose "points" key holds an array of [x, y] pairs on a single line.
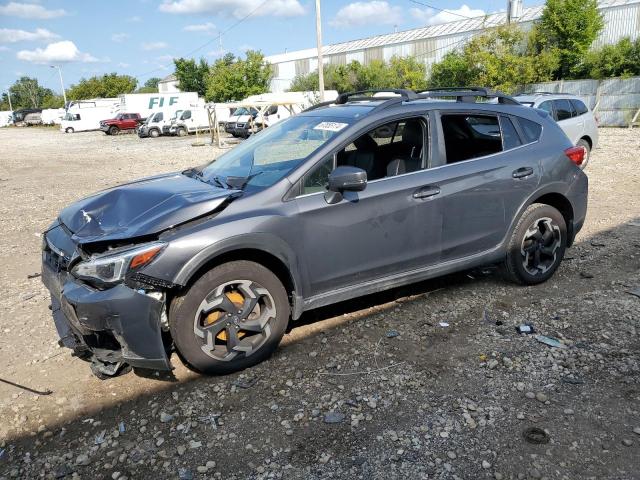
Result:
{"points": [[616, 101]]}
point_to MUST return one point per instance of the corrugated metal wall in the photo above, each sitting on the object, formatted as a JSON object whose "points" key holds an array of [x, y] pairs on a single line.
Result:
{"points": [[615, 100], [621, 20]]}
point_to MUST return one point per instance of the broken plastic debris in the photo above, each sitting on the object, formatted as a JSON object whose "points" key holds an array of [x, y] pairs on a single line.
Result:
{"points": [[635, 292], [443, 324], [526, 328], [100, 437], [1, 452], [393, 334], [552, 342], [121, 428]]}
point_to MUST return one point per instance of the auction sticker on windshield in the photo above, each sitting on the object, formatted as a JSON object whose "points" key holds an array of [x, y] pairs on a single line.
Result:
{"points": [[331, 126]]}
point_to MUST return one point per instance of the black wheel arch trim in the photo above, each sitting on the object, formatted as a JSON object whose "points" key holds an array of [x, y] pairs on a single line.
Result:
{"points": [[260, 243]]}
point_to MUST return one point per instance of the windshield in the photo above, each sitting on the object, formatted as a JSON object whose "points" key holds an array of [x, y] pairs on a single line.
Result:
{"points": [[244, 111], [271, 154]]}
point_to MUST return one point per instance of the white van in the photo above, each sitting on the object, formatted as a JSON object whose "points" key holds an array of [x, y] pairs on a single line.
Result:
{"points": [[191, 119], [85, 115], [155, 124]]}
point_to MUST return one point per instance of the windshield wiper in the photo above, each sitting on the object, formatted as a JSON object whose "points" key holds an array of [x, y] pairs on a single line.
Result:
{"points": [[219, 182], [241, 182]]}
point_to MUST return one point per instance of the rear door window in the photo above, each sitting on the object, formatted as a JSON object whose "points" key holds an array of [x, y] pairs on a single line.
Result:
{"points": [[579, 107], [564, 110], [468, 136]]}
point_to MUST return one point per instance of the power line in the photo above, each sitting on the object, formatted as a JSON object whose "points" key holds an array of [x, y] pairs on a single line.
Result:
{"points": [[217, 38], [440, 9]]}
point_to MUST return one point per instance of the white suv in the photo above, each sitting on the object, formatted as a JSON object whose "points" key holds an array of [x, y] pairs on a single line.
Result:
{"points": [[572, 115]]}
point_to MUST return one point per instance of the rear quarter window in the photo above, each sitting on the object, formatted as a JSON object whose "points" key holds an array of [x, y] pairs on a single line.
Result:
{"points": [[530, 129]]}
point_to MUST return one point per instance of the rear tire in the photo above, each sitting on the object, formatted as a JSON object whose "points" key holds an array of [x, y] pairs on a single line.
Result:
{"points": [[231, 318], [113, 130], [537, 245], [182, 132], [587, 148]]}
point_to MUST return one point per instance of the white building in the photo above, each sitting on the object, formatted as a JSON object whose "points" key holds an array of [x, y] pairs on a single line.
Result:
{"points": [[430, 44], [168, 84]]}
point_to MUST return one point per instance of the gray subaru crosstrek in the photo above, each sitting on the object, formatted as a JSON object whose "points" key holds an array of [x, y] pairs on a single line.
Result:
{"points": [[346, 199]]}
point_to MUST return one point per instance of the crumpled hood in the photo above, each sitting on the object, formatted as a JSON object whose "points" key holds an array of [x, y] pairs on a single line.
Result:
{"points": [[141, 208]]}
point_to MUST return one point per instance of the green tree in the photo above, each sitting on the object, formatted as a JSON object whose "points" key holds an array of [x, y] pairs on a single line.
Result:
{"points": [[399, 72], [26, 92], [619, 60], [497, 59], [192, 76], [568, 27], [53, 101], [105, 86], [150, 86], [232, 78]]}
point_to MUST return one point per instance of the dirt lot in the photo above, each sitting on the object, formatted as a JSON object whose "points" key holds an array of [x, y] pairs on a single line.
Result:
{"points": [[344, 396]]}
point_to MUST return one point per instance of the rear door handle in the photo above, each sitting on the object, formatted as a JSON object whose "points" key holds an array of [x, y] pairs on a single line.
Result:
{"points": [[522, 172], [426, 192]]}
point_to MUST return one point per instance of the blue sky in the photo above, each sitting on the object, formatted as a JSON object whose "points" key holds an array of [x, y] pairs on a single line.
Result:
{"points": [[139, 37]]}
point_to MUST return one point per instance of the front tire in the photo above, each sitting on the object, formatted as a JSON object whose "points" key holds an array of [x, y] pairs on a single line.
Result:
{"points": [[587, 152], [537, 245], [231, 318], [154, 133], [69, 130], [113, 130]]}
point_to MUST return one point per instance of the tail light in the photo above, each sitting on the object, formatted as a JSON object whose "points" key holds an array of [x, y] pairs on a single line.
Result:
{"points": [[576, 154]]}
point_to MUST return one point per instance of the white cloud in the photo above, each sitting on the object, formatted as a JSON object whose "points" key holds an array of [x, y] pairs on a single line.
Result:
{"points": [[217, 53], [30, 10], [119, 37], [430, 17], [367, 13], [4, 49], [235, 8], [153, 45], [134, 19], [123, 65], [202, 27], [8, 35], [59, 52]]}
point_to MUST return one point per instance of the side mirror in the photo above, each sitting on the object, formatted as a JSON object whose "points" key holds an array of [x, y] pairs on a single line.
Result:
{"points": [[345, 179]]}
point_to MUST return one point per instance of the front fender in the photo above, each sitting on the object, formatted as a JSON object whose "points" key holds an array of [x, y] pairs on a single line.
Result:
{"points": [[262, 242]]}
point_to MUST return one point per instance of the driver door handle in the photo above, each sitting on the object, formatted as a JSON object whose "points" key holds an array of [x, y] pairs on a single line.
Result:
{"points": [[522, 172], [426, 192]]}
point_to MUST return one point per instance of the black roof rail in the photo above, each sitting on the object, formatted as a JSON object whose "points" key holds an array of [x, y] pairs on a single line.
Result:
{"points": [[404, 94], [546, 93], [467, 94], [396, 95]]}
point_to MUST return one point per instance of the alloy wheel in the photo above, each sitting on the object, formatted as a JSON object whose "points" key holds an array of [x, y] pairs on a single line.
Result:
{"points": [[540, 245], [235, 318]]}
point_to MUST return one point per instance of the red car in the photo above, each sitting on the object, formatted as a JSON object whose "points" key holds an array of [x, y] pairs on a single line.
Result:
{"points": [[123, 121]]}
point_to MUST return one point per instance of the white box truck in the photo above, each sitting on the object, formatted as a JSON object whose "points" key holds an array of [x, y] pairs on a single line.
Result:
{"points": [[147, 103]]}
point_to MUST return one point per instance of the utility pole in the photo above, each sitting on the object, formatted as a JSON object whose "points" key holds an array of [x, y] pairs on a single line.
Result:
{"points": [[319, 39], [9, 96], [64, 95]]}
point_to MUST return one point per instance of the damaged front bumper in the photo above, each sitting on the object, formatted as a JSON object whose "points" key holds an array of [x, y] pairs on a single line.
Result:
{"points": [[116, 326]]}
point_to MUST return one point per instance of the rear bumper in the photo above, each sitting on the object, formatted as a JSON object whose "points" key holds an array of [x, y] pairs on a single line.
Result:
{"points": [[579, 197], [112, 326]]}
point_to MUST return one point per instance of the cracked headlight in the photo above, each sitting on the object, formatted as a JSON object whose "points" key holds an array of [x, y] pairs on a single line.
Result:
{"points": [[112, 267]]}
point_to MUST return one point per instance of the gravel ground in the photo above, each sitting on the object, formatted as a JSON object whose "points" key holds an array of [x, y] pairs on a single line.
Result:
{"points": [[430, 381]]}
